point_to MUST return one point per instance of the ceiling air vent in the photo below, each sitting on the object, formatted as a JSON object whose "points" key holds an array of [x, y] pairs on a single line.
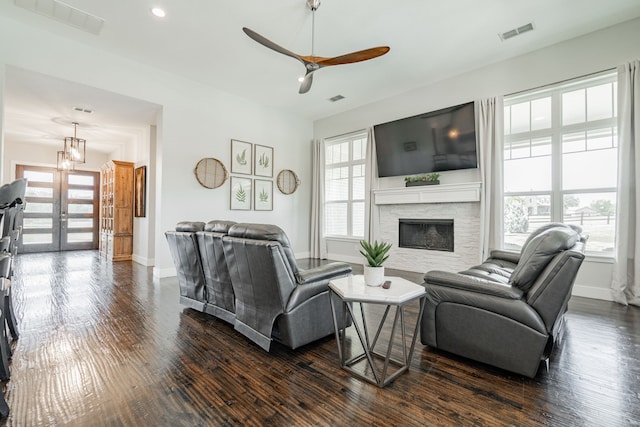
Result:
{"points": [[336, 98], [64, 13], [516, 31], [83, 110]]}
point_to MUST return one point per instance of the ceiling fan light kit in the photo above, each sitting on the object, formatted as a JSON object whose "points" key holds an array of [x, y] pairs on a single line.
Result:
{"points": [[312, 62]]}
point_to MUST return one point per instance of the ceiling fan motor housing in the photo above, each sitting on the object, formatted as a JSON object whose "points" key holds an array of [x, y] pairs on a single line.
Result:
{"points": [[313, 4]]}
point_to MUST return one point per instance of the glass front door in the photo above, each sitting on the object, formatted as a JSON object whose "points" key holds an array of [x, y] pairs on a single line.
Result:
{"points": [[61, 211]]}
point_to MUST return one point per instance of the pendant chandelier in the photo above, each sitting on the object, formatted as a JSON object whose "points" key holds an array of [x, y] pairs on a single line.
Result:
{"points": [[74, 151], [64, 162]]}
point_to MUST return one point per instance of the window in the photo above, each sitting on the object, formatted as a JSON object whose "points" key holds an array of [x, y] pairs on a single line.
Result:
{"points": [[345, 186], [561, 160]]}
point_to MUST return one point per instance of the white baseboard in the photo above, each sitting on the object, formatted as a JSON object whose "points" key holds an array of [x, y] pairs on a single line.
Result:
{"points": [[161, 273], [303, 255], [147, 262], [592, 292], [345, 258]]}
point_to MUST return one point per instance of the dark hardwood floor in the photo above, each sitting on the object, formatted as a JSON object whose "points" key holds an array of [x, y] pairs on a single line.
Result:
{"points": [[102, 344]]}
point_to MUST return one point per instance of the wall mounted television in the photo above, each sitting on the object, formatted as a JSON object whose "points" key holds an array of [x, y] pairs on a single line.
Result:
{"points": [[441, 140]]}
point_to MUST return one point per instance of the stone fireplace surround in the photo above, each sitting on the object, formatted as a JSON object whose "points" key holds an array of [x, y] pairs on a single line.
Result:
{"points": [[460, 202]]}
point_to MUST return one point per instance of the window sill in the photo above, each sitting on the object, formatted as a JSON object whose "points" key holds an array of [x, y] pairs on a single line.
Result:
{"points": [[602, 259], [343, 239]]}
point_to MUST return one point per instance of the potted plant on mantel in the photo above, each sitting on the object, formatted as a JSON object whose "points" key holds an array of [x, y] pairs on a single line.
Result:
{"points": [[376, 254], [430, 179]]}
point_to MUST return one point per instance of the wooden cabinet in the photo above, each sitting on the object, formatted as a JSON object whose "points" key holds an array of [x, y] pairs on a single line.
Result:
{"points": [[116, 210]]}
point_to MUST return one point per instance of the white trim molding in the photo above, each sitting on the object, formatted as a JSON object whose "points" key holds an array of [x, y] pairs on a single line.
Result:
{"points": [[592, 292], [442, 193]]}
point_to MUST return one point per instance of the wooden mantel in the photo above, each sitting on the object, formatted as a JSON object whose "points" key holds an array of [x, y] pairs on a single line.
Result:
{"points": [[442, 193]]}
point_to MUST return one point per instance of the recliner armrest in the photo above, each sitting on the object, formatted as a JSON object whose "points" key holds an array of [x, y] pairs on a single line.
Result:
{"points": [[472, 284], [304, 292], [507, 255], [5, 244], [315, 281], [475, 296], [323, 272]]}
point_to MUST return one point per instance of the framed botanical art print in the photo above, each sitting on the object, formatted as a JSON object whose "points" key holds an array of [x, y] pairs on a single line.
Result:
{"points": [[241, 157], [240, 193], [262, 195], [263, 159]]}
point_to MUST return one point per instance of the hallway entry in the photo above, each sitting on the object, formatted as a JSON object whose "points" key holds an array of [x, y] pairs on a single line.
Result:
{"points": [[61, 211]]}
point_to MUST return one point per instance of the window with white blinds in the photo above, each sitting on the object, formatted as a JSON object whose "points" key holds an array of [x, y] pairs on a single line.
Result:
{"points": [[345, 185]]}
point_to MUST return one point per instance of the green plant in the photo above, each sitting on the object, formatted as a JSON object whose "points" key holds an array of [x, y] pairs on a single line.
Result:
{"points": [[242, 157], [603, 207], [241, 195], [419, 178], [264, 196], [264, 161], [375, 253], [516, 219]]}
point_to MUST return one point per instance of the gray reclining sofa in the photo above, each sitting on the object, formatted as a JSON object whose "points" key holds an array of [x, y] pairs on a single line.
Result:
{"points": [[509, 311], [203, 276], [247, 275]]}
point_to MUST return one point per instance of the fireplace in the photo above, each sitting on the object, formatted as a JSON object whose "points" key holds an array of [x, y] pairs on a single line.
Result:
{"points": [[429, 234]]}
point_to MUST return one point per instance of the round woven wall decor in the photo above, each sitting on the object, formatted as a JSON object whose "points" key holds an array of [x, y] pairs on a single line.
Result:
{"points": [[288, 181], [210, 172]]}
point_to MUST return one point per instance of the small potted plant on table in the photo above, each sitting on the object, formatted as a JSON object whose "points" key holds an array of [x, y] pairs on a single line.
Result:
{"points": [[376, 254]]}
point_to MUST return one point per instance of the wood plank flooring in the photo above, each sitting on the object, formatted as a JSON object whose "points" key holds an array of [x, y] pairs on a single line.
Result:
{"points": [[102, 344]]}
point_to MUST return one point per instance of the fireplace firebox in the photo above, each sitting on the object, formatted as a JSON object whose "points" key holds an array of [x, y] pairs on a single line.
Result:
{"points": [[429, 234]]}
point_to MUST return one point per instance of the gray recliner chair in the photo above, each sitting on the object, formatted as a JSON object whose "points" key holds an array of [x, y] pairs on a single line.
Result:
{"points": [[183, 246], [509, 311], [12, 203], [275, 300], [220, 297]]}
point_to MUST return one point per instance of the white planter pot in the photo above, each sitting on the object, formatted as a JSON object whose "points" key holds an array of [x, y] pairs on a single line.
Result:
{"points": [[373, 276]]}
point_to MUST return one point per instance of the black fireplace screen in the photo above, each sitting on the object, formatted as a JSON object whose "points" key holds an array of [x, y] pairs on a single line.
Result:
{"points": [[430, 234]]}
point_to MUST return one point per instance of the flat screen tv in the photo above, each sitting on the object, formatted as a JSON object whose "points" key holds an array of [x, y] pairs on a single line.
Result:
{"points": [[432, 142]]}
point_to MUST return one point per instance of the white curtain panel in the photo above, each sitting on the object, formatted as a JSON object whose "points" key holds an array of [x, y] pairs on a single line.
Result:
{"points": [[372, 217], [625, 285], [490, 125], [318, 243]]}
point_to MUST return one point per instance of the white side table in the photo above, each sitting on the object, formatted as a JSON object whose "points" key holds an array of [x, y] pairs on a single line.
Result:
{"points": [[351, 289]]}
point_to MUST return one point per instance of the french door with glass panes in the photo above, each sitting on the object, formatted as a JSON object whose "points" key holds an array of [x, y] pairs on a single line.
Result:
{"points": [[61, 210]]}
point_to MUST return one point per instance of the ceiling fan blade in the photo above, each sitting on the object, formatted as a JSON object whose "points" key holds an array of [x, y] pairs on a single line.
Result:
{"points": [[306, 83], [349, 58], [271, 45]]}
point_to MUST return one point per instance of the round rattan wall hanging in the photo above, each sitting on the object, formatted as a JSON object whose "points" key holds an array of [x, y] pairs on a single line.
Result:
{"points": [[288, 181], [210, 172]]}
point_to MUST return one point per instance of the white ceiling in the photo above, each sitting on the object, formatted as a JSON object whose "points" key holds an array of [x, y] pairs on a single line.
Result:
{"points": [[203, 40], [41, 109]]}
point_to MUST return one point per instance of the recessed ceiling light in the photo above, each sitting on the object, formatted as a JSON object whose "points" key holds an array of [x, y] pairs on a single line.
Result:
{"points": [[159, 12], [301, 79]]}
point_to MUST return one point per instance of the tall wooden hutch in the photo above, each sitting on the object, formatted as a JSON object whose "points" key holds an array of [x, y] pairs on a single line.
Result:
{"points": [[116, 210]]}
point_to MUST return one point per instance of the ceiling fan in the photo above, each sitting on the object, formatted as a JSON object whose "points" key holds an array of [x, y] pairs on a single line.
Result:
{"points": [[313, 63]]}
